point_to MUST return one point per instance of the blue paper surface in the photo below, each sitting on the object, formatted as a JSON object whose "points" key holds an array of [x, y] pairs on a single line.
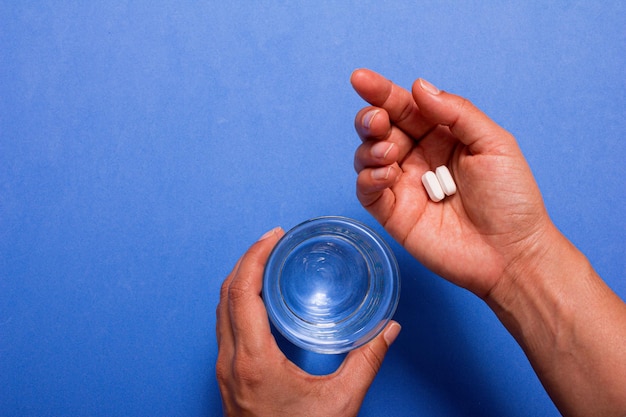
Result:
{"points": [[145, 145]]}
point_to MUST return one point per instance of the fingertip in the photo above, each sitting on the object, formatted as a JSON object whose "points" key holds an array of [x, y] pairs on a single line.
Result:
{"points": [[250, 266], [355, 74], [272, 233], [260, 250], [372, 123], [391, 332], [428, 87], [368, 117], [384, 151], [424, 90], [381, 174], [359, 73], [371, 86], [376, 179], [356, 79], [375, 195]]}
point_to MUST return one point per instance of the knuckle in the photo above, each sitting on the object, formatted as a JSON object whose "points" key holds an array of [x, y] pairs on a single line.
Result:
{"points": [[222, 372], [462, 107], [359, 159], [464, 103], [224, 289], [247, 373], [401, 102], [237, 290], [405, 112]]}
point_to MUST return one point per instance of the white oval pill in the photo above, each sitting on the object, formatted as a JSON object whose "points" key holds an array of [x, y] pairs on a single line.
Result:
{"points": [[445, 180], [433, 188]]}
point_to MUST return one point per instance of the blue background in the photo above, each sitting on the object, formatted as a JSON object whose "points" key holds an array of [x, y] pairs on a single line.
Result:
{"points": [[145, 145]]}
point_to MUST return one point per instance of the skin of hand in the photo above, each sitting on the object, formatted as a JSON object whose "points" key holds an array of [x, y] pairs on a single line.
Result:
{"points": [[498, 210], [254, 376], [493, 237]]}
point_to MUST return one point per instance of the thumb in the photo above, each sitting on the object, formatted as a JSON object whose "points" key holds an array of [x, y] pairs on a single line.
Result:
{"points": [[362, 364], [470, 125]]}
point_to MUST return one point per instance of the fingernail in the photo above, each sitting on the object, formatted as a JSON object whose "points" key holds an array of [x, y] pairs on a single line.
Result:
{"points": [[392, 333], [381, 149], [428, 87], [381, 173], [268, 234], [367, 119]]}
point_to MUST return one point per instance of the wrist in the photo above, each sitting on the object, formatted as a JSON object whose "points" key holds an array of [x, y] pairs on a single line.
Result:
{"points": [[539, 290], [564, 317]]}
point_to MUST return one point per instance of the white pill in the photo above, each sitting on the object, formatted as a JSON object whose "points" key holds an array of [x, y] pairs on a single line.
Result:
{"points": [[431, 183], [445, 180]]}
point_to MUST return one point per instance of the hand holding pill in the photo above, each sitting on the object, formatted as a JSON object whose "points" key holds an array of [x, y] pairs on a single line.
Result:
{"points": [[486, 229], [483, 215]]}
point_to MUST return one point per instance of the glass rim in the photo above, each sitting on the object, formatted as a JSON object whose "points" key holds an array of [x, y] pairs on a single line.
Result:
{"points": [[368, 319]]}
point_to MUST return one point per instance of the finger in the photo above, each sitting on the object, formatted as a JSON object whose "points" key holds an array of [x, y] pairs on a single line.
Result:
{"points": [[223, 330], [373, 186], [372, 123], [470, 125], [397, 101], [375, 154], [248, 316], [361, 365], [383, 143]]}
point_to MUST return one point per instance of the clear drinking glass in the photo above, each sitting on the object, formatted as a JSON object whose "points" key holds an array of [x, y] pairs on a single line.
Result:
{"points": [[331, 284]]}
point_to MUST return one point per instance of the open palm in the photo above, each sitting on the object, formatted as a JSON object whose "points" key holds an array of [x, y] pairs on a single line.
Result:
{"points": [[472, 236]]}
